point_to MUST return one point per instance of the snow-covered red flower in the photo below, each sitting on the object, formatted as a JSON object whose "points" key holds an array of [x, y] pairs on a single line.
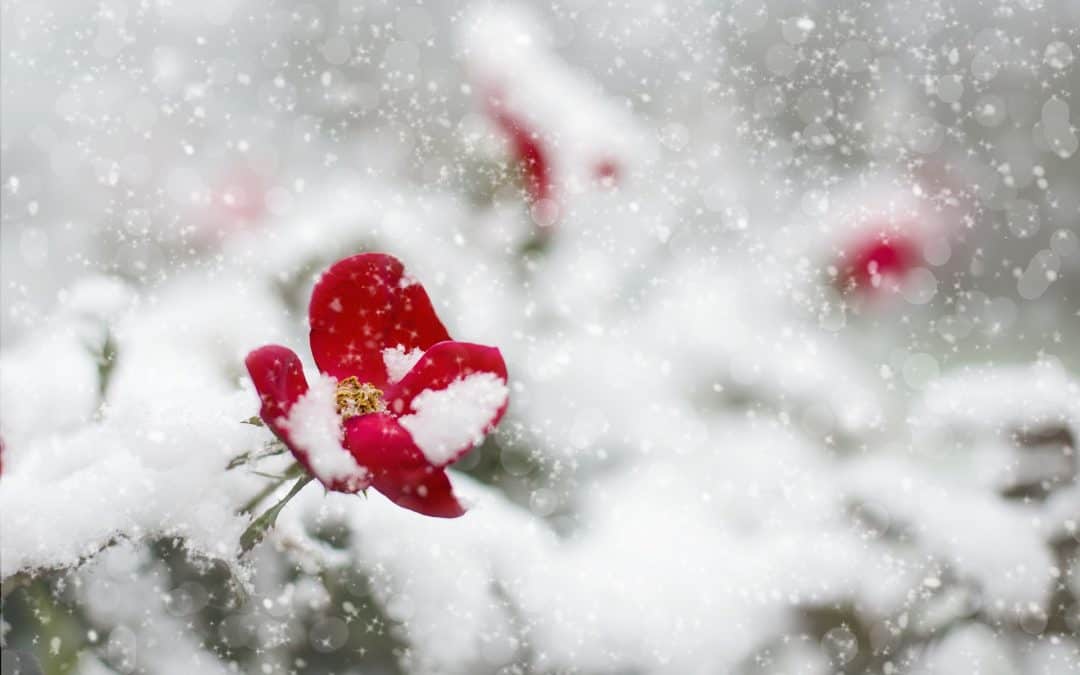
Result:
{"points": [[396, 400]]}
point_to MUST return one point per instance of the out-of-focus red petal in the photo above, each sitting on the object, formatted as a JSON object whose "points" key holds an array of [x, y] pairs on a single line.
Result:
{"points": [[887, 256], [398, 469], [527, 150], [607, 172], [362, 305], [279, 378]]}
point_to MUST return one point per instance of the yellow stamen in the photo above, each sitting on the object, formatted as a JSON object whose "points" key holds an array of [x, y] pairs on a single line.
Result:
{"points": [[354, 399]]}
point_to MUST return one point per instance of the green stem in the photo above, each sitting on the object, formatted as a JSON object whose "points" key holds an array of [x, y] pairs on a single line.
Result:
{"points": [[272, 449], [294, 471], [261, 495], [261, 525]]}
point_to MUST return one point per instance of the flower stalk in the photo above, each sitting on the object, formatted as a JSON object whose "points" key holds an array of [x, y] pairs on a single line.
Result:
{"points": [[258, 528]]}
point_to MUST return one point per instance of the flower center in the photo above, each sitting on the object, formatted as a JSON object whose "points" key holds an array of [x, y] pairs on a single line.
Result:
{"points": [[354, 398]]}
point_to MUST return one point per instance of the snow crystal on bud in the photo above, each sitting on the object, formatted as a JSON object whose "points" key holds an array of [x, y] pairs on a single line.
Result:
{"points": [[315, 427], [447, 420], [399, 362]]}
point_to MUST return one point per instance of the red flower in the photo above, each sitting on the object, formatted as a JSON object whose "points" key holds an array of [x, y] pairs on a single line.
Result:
{"points": [[875, 259], [527, 149], [397, 400]]}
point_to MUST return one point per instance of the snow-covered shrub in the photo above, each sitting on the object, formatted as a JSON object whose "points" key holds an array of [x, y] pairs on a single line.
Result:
{"points": [[779, 301]]}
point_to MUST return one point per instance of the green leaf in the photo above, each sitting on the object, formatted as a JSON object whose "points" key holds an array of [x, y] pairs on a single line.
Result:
{"points": [[239, 460], [294, 471], [258, 528]]}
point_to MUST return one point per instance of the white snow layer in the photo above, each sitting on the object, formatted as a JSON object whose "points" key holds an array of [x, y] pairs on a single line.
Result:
{"points": [[971, 648], [144, 623], [1001, 399], [152, 462], [447, 420], [949, 517], [710, 521], [315, 427], [398, 362], [656, 548]]}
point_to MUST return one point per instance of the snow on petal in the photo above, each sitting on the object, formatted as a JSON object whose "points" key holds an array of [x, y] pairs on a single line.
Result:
{"points": [[399, 362], [446, 420], [314, 426]]}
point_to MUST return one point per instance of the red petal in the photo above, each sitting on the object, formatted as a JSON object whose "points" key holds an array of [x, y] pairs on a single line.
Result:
{"points": [[886, 255], [279, 379], [527, 149], [365, 304], [531, 157], [440, 366], [398, 469]]}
